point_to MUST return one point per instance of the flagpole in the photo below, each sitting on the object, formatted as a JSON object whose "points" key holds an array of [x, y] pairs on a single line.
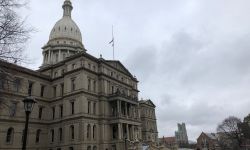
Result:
{"points": [[113, 44]]}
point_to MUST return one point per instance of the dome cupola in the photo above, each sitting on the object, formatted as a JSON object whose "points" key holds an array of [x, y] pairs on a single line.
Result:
{"points": [[65, 38]]}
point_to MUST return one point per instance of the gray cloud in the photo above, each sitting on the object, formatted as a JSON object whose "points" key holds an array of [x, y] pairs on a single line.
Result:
{"points": [[191, 57]]}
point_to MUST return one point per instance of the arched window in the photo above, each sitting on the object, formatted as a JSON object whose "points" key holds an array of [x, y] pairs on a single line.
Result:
{"points": [[94, 132], [88, 131], [60, 134], [9, 136], [94, 148], [52, 133], [89, 148], [38, 132], [72, 131]]}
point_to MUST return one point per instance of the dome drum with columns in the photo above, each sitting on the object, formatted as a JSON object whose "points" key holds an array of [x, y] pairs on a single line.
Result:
{"points": [[65, 38]]}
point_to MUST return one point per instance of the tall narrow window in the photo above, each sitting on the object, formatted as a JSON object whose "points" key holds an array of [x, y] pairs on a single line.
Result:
{"points": [[61, 111], [62, 89], [52, 133], [40, 112], [94, 108], [38, 132], [30, 88], [72, 130], [73, 84], [71, 148], [73, 66], [42, 90], [1, 83], [88, 131], [54, 91], [89, 106], [72, 107], [60, 134], [94, 86], [53, 112], [9, 136], [16, 85], [12, 108], [89, 84], [94, 132]]}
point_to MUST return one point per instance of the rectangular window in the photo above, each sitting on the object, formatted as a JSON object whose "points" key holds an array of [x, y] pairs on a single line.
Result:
{"points": [[42, 90], [94, 108], [73, 85], [53, 112], [89, 84], [54, 91], [30, 88], [73, 66], [16, 85], [89, 105], [94, 86], [1, 83], [62, 89], [40, 113], [72, 107], [12, 108], [61, 111]]}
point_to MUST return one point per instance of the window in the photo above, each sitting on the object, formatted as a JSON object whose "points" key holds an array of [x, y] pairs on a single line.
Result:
{"points": [[71, 148], [30, 88], [60, 134], [16, 85], [52, 135], [62, 89], [72, 107], [94, 132], [94, 108], [93, 68], [72, 131], [89, 106], [89, 84], [73, 85], [73, 66], [9, 136], [112, 89], [94, 148], [89, 148], [54, 91], [40, 112], [42, 90], [55, 74], [88, 131], [94, 86], [38, 132], [12, 108], [1, 83], [53, 112], [56, 57], [61, 111], [89, 66]]}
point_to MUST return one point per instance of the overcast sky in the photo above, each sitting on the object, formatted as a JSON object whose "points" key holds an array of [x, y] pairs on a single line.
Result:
{"points": [[192, 57]]}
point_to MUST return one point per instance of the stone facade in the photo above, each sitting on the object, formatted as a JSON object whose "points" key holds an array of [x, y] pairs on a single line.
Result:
{"points": [[208, 141], [83, 102]]}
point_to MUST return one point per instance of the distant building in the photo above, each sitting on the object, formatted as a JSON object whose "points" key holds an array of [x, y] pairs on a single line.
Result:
{"points": [[208, 141], [181, 135], [169, 142]]}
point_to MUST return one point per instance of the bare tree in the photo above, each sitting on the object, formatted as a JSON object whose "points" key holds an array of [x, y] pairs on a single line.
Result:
{"points": [[13, 31], [230, 135]]}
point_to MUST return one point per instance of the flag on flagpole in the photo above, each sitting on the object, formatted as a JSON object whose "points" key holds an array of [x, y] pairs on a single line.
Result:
{"points": [[113, 43]]}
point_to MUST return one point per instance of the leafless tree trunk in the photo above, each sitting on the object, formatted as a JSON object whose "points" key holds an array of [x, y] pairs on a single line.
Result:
{"points": [[13, 31]]}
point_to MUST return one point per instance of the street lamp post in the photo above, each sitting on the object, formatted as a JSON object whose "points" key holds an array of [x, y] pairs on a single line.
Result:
{"points": [[28, 106]]}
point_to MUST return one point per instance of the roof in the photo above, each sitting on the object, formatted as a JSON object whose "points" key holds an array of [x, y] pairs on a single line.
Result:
{"points": [[147, 102], [168, 139], [213, 136]]}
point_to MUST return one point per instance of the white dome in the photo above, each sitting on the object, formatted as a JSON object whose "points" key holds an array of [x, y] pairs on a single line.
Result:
{"points": [[66, 28]]}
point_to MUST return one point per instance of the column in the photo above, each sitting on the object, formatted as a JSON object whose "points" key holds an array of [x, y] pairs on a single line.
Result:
{"points": [[49, 57], [118, 111], [133, 132], [59, 57], [127, 131], [119, 131], [126, 109]]}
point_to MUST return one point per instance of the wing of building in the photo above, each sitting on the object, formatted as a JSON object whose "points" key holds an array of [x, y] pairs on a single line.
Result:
{"points": [[83, 102]]}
